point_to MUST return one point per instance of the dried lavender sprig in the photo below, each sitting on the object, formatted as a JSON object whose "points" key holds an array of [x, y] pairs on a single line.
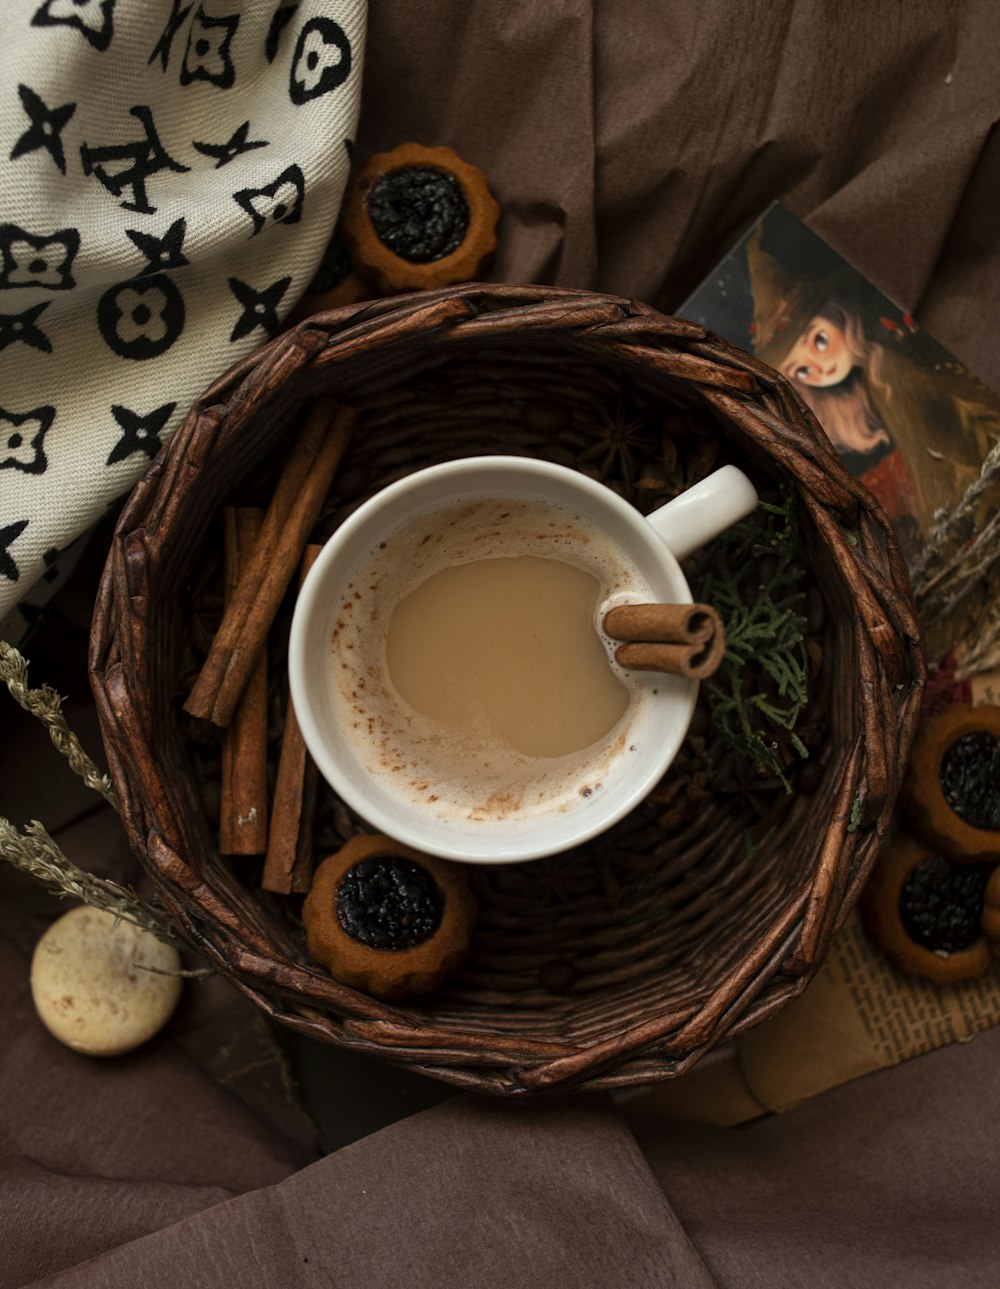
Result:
{"points": [[46, 705], [982, 549], [947, 520], [35, 853], [983, 653], [951, 564]]}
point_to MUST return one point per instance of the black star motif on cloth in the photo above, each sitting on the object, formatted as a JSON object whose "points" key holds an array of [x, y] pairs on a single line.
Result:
{"points": [[280, 20], [32, 613], [236, 144], [92, 18], [279, 201], [322, 60], [45, 128], [8, 536], [140, 433], [260, 308], [207, 56], [147, 157], [22, 435], [178, 13], [161, 252], [27, 259], [22, 328]]}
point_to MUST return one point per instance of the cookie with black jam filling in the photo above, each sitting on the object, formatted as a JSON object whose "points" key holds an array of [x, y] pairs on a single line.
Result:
{"points": [[925, 912], [950, 796], [417, 218], [388, 920]]}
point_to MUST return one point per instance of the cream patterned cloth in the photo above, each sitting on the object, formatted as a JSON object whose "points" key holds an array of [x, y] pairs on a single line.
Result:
{"points": [[170, 173]]}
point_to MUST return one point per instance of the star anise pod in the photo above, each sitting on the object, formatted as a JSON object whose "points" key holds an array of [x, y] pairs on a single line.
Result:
{"points": [[620, 449]]}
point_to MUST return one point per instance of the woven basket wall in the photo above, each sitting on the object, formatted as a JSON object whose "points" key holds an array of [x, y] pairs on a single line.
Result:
{"points": [[626, 961]]}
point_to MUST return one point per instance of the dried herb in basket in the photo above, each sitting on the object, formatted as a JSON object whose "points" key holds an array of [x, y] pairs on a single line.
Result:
{"points": [[762, 687]]}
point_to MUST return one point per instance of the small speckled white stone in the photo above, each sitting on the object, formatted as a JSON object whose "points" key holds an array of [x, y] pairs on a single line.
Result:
{"points": [[90, 986]]}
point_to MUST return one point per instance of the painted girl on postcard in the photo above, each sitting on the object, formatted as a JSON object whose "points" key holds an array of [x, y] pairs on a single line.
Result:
{"points": [[907, 419]]}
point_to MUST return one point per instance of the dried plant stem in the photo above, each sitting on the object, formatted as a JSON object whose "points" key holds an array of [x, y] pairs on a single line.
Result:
{"points": [[46, 705], [983, 653], [959, 554], [35, 853], [947, 520]]}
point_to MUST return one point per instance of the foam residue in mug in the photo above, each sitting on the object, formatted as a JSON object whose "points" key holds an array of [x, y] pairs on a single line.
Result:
{"points": [[438, 772]]}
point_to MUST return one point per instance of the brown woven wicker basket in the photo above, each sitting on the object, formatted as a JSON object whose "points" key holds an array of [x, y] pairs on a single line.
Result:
{"points": [[626, 961]]}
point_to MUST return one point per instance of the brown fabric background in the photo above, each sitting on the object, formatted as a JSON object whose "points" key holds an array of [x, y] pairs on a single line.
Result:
{"points": [[630, 142]]}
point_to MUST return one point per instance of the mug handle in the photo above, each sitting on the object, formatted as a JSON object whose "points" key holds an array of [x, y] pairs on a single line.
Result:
{"points": [[704, 511]]}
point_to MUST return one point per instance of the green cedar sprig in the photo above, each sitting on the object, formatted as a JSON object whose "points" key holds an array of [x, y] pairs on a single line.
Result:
{"points": [[766, 629]]}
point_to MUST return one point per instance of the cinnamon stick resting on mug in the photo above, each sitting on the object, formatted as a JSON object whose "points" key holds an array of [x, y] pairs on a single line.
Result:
{"points": [[681, 639]]}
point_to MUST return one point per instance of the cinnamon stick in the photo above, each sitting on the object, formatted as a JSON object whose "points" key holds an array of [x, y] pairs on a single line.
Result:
{"points": [[305, 855], [294, 509], [243, 807], [694, 661], [288, 867], [668, 623]]}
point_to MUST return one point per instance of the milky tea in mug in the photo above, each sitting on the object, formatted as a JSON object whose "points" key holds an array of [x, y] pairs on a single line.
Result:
{"points": [[493, 801], [468, 668]]}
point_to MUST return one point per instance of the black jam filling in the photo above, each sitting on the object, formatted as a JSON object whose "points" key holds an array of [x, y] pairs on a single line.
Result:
{"points": [[389, 903], [941, 904], [970, 779], [333, 268], [419, 213]]}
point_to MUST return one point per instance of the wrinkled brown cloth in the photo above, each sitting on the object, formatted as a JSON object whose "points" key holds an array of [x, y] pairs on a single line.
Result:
{"points": [[630, 144]]}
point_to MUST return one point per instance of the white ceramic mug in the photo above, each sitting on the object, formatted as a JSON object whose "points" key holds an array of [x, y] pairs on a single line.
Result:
{"points": [[661, 707]]}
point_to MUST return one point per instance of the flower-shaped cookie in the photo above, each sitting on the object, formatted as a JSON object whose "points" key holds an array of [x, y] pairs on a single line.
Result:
{"points": [[419, 217], [925, 912], [950, 796], [386, 919]]}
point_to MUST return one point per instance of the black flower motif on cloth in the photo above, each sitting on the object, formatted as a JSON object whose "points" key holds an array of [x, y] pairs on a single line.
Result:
{"points": [[92, 18], [207, 56], [280, 19], [46, 126], [139, 433], [33, 260], [8, 536], [322, 60], [260, 308], [279, 202], [141, 159], [161, 49], [22, 435], [23, 328], [141, 318], [161, 252], [235, 146]]}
